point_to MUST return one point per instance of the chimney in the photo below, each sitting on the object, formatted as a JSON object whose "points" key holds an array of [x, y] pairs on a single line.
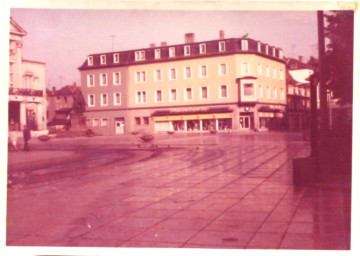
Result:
{"points": [[301, 58], [163, 44], [189, 38], [222, 34], [152, 45]]}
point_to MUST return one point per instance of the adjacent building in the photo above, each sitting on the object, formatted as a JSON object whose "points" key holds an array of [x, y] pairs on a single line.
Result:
{"points": [[61, 105], [223, 84], [27, 102], [298, 93]]}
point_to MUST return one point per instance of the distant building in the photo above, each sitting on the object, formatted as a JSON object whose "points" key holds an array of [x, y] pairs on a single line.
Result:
{"points": [[223, 84], [61, 105], [298, 93], [27, 102]]}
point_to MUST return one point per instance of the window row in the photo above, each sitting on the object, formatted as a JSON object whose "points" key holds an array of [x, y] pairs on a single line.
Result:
{"points": [[141, 96], [97, 122], [116, 79], [270, 93], [104, 99], [141, 54]]}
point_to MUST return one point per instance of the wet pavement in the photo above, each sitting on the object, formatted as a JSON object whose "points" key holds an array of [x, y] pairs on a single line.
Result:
{"points": [[184, 191]]}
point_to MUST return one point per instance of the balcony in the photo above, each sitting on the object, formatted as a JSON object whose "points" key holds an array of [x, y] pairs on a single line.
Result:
{"points": [[25, 92]]}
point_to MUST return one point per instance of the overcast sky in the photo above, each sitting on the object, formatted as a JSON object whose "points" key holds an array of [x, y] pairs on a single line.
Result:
{"points": [[63, 38]]}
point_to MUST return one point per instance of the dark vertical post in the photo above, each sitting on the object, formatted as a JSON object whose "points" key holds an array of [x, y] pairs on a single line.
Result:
{"points": [[324, 117], [313, 115]]}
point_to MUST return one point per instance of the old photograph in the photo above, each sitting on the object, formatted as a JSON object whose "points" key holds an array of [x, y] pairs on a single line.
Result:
{"points": [[202, 129]]}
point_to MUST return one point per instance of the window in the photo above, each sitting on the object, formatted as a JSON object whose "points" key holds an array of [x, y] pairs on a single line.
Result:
{"points": [[139, 55], [274, 73], [116, 78], [202, 48], [146, 120], [117, 98], [95, 122], [222, 69], [137, 120], [245, 68], [103, 79], [187, 50], [258, 46], [266, 49], [104, 99], [281, 74], [88, 122], [140, 77], [158, 97], [282, 95], [260, 91], [223, 91], [221, 46], [275, 93], [140, 97], [204, 93], [116, 58], [91, 100], [187, 72], [173, 95], [274, 52], [90, 60], [103, 59], [188, 94], [157, 75], [268, 92], [280, 54], [104, 122], [259, 69], [244, 45], [157, 54], [90, 80], [248, 89], [267, 71], [203, 71], [172, 52], [11, 78], [172, 74]]}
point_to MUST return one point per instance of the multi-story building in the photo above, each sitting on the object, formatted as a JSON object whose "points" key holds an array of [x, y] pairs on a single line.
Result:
{"points": [[235, 83], [298, 93], [27, 102], [61, 104]]}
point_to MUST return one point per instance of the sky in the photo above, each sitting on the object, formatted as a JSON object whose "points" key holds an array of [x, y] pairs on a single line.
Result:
{"points": [[63, 38]]}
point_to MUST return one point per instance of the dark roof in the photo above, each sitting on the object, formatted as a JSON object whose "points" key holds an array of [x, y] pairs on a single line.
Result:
{"points": [[64, 110], [232, 45], [293, 64], [64, 91]]}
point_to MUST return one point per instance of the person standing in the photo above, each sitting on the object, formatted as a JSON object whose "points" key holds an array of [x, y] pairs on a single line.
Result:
{"points": [[13, 139], [27, 137]]}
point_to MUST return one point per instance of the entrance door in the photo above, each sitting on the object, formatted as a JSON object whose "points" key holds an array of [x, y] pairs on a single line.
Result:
{"points": [[119, 125], [244, 122]]}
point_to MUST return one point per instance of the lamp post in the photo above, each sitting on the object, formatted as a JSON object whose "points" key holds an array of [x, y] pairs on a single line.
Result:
{"points": [[314, 80]]}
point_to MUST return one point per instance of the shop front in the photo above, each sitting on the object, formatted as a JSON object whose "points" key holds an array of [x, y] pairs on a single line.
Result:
{"points": [[192, 121]]}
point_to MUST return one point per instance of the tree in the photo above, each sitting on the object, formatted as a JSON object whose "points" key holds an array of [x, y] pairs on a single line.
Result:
{"points": [[339, 54]]}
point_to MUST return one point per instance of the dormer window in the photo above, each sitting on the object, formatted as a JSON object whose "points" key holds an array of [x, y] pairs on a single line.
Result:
{"points": [[267, 49], [244, 45], [274, 52], [280, 54], [139, 55], [157, 54], [222, 46], [187, 50], [90, 60], [103, 59], [116, 58], [259, 47], [172, 52], [202, 48]]}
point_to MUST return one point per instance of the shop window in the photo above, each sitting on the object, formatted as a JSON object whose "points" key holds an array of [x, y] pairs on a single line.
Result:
{"points": [[104, 122]]}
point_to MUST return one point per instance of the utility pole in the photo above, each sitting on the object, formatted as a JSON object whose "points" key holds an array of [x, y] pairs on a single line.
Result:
{"points": [[324, 117]]}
